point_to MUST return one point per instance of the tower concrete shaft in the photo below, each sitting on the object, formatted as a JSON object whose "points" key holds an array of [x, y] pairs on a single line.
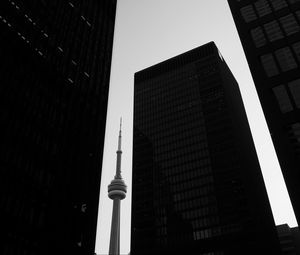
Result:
{"points": [[116, 191]]}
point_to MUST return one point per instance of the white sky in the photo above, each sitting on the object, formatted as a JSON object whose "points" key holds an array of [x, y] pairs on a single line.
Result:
{"points": [[148, 32]]}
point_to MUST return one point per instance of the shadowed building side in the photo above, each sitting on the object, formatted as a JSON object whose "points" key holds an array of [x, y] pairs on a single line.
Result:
{"points": [[289, 239], [270, 34], [54, 81], [197, 183]]}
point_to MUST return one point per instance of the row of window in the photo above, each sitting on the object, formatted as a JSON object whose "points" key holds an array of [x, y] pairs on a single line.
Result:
{"points": [[167, 83], [193, 155], [262, 8], [164, 123], [181, 147], [171, 133], [162, 88], [20, 35], [288, 96], [169, 88], [181, 102], [207, 233], [200, 163], [200, 214], [161, 226], [194, 193], [273, 30], [193, 183], [159, 111], [192, 130], [189, 173], [167, 127], [284, 58], [183, 91], [81, 16], [173, 149], [185, 205]]}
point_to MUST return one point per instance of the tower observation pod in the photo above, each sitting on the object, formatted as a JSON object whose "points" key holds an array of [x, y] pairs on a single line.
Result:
{"points": [[116, 191]]}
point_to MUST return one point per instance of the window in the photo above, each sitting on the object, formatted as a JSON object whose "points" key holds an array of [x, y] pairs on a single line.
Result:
{"points": [[258, 37], [296, 48], [294, 134], [262, 7], [269, 65], [285, 59], [248, 13], [278, 4], [273, 31], [294, 1], [295, 91], [282, 99], [289, 24]]}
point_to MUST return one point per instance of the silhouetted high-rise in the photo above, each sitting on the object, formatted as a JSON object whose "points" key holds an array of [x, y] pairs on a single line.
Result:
{"points": [[289, 239], [270, 35], [54, 78], [197, 184]]}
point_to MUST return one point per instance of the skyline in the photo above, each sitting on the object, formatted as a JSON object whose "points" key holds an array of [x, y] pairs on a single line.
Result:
{"points": [[141, 41]]}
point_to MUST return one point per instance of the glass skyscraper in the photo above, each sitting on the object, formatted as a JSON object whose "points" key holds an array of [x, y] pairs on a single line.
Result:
{"points": [[54, 79], [270, 34], [197, 184]]}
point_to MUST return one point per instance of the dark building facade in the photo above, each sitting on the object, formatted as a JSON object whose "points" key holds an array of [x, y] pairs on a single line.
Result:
{"points": [[197, 185], [54, 79], [289, 239], [270, 34]]}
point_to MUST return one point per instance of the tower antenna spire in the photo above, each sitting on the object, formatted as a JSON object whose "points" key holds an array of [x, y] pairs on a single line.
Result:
{"points": [[119, 153], [120, 135]]}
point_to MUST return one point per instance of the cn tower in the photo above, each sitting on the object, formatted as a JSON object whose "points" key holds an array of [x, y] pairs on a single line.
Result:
{"points": [[116, 191]]}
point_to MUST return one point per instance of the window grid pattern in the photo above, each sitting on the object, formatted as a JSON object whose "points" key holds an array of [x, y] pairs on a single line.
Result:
{"points": [[261, 8], [183, 144], [273, 54]]}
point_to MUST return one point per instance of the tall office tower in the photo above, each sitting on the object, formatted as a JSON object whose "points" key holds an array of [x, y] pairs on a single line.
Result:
{"points": [[197, 184], [116, 191], [289, 239], [270, 34], [54, 78]]}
